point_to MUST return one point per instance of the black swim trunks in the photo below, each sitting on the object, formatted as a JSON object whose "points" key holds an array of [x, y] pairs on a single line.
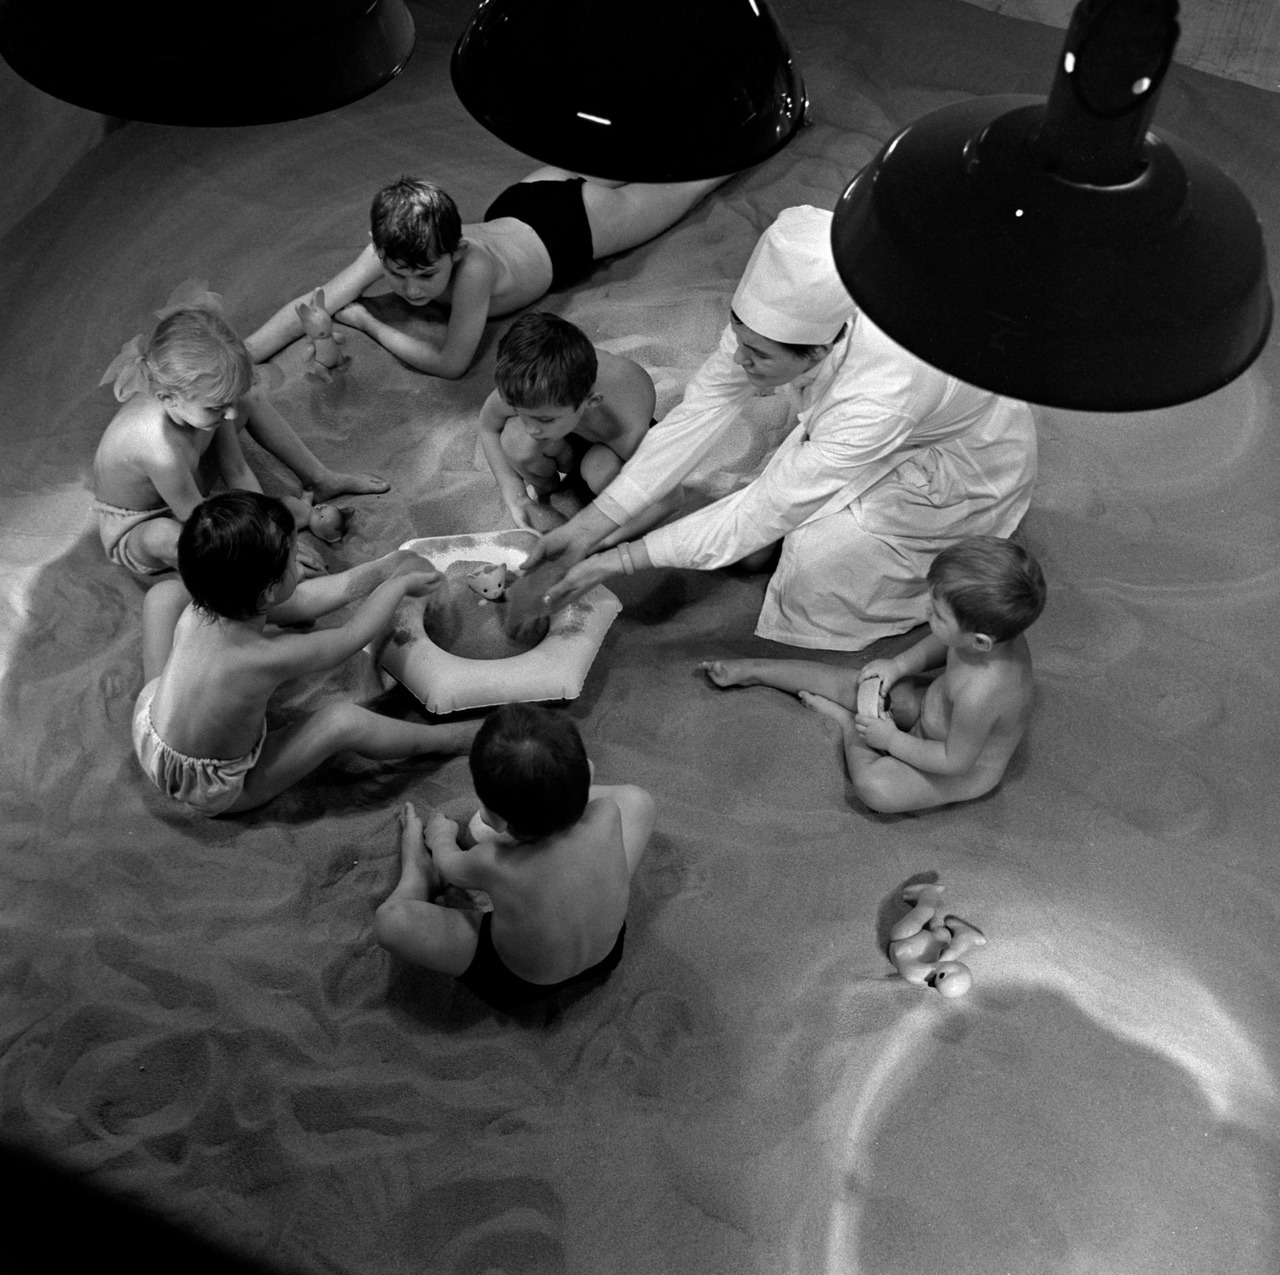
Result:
{"points": [[490, 979], [554, 211]]}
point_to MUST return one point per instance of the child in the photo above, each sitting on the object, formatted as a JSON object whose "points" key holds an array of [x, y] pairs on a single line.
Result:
{"points": [[563, 407], [199, 728], [186, 394], [554, 853], [946, 737], [540, 235]]}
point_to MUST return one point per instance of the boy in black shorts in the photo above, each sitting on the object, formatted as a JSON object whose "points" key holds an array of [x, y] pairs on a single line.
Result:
{"points": [[554, 852], [541, 234]]}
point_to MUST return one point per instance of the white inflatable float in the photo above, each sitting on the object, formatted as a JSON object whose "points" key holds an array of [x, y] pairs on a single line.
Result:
{"points": [[555, 669]]}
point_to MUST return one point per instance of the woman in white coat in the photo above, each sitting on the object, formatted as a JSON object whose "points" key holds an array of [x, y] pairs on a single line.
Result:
{"points": [[889, 460]]}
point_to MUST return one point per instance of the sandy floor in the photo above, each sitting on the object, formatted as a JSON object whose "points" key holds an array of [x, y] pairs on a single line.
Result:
{"points": [[196, 1012]]}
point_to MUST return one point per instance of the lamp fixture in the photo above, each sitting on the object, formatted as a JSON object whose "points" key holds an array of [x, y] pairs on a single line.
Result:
{"points": [[632, 90], [184, 62], [1059, 251]]}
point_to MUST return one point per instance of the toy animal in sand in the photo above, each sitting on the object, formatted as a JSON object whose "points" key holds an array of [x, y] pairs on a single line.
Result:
{"points": [[491, 582], [326, 341], [925, 946], [328, 522]]}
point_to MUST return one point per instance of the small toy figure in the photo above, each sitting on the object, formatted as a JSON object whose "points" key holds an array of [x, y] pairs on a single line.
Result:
{"points": [[871, 696], [924, 946], [490, 582], [328, 522], [326, 342]]}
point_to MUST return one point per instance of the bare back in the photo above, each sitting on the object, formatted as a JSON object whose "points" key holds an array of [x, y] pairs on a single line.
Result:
{"points": [[213, 692], [627, 400], [559, 903], [520, 260], [998, 689]]}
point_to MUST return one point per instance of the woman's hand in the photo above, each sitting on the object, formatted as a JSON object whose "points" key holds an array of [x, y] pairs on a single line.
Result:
{"points": [[583, 578]]}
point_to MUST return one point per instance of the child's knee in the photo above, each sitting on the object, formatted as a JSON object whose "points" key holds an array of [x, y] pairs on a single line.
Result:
{"points": [[599, 467], [877, 790], [390, 924], [517, 446]]}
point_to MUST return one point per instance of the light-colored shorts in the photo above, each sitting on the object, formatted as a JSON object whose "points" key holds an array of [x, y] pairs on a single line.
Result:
{"points": [[114, 526], [208, 784]]}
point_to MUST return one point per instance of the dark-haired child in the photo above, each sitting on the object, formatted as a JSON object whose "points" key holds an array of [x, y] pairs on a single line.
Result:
{"points": [[554, 853], [540, 235], [946, 733], [210, 662], [563, 409]]}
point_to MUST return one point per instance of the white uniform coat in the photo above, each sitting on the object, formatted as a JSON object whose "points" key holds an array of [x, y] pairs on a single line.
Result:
{"points": [[890, 461]]}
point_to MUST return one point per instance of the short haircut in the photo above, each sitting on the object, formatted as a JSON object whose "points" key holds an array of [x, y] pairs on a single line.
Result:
{"points": [[232, 549], [414, 223], [529, 765], [195, 353], [994, 586], [803, 351], [544, 360]]}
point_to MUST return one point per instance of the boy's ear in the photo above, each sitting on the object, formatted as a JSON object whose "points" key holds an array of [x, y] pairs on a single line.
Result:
{"points": [[982, 642]]}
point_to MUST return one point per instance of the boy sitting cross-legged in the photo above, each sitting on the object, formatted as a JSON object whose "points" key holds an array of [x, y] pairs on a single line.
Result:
{"points": [[210, 663], [554, 852], [563, 407], [944, 733]]}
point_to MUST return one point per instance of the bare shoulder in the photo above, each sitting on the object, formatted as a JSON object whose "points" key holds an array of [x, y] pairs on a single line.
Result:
{"points": [[477, 270], [628, 398], [617, 374]]}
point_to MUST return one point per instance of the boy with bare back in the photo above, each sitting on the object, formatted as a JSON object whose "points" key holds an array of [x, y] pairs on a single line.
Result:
{"points": [[563, 407], [917, 735], [210, 665], [540, 235], [554, 852]]}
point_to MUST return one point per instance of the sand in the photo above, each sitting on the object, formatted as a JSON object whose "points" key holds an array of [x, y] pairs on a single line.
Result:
{"points": [[195, 1013]]}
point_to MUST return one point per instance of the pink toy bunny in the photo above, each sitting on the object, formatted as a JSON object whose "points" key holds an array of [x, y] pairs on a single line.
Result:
{"points": [[317, 324]]}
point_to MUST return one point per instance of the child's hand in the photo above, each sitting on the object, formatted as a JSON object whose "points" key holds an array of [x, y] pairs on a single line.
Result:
{"points": [[520, 513], [876, 732], [310, 560], [354, 316], [885, 670], [401, 562], [417, 584]]}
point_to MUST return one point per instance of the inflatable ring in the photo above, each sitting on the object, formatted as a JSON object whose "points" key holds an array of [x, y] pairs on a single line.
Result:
{"points": [[555, 669]]}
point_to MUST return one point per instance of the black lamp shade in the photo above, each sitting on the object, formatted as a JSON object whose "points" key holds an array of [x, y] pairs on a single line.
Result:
{"points": [[193, 62], [967, 242], [632, 90]]}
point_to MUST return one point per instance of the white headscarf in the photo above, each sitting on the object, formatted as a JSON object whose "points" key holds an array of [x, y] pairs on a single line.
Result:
{"points": [[790, 291]]}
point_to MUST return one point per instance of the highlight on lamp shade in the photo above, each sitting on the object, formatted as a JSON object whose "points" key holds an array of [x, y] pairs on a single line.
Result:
{"points": [[1059, 251], [193, 63], [632, 90]]}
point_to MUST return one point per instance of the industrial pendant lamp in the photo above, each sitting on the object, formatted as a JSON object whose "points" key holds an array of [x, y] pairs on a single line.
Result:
{"points": [[1058, 251], [197, 63], [632, 90]]}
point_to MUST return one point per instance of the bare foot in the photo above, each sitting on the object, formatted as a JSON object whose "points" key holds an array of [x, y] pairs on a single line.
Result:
{"points": [[419, 876], [827, 707], [332, 484], [727, 672]]}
